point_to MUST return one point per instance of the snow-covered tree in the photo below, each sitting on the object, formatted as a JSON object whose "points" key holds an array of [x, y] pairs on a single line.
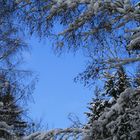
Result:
{"points": [[6, 131], [116, 83], [88, 23], [12, 88], [121, 121], [96, 106], [12, 113]]}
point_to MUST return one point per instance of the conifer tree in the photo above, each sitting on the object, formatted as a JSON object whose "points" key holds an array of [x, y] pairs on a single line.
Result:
{"points": [[114, 86], [95, 106], [6, 131], [117, 83], [11, 47], [13, 112]]}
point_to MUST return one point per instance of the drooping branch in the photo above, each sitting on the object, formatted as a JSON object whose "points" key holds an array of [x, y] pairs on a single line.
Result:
{"points": [[57, 133]]}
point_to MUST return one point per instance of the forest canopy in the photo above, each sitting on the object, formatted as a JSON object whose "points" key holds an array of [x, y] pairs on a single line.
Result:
{"points": [[108, 31]]}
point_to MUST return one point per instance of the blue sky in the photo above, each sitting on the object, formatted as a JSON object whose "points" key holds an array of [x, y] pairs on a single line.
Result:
{"points": [[56, 95]]}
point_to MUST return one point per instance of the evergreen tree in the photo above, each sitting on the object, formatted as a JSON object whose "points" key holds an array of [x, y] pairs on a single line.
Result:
{"points": [[114, 86], [6, 131], [96, 106], [12, 115], [121, 121], [117, 83], [12, 92]]}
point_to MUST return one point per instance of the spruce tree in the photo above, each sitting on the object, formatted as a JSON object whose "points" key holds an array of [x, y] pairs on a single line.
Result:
{"points": [[6, 131], [114, 85], [117, 83], [96, 107], [103, 101], [13, 112]]}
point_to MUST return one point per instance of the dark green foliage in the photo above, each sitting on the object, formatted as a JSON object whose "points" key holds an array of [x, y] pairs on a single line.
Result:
{"points": [[122, 120], [12, 115], [117, 83], [96, 106]]}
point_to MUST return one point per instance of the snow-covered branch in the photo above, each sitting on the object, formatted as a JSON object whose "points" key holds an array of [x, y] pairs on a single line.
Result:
{"points": [[114, 63], [57, 133], [122, 120]]}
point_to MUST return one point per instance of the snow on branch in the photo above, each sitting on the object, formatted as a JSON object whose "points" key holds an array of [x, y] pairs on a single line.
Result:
{"points": [[83, 19], [57, 133], [113, 63], [122, 120]]}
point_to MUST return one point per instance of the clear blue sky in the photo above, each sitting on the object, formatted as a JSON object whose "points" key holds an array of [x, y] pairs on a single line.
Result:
{"points": [[56, 95]]}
